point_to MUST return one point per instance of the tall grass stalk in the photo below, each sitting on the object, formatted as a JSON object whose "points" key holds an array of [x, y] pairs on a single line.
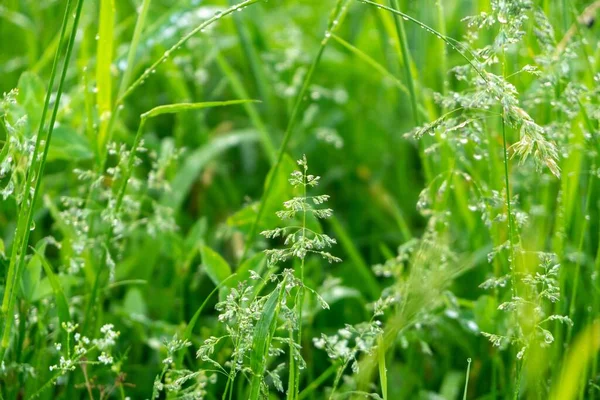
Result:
{"points": [[407, 60], [467, 379], [34, 179], [335, 21]]}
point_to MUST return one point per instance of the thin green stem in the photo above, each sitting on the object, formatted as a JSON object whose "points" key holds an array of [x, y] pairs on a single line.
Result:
{"points": [[35, 179], [335, 21], [401, 32], [300, 304], [467, 379], [584, 228]]}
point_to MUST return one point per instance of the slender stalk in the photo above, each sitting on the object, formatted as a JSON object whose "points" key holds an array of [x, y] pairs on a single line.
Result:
{"points": [[467, 379], [443, 52], [300, 304], [338, 377], [335, 21], [35, 179], [584, 228], [401, 32], [511, 228]]}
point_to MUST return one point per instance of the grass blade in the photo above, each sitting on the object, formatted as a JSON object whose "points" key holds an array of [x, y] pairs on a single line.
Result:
{"points": [[104, 57], [216, 267], [180, 107], [467, 379], [263, 332]]}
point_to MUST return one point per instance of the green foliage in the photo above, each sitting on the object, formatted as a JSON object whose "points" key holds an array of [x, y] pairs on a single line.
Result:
{"points": [[158, 240]]}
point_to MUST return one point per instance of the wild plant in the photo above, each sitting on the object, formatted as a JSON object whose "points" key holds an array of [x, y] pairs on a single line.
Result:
{"points": [[252, 321], [540, 291], [16, 153], [301, 241], [178, 382], [420, 274], [79, 351], [506, 152]]}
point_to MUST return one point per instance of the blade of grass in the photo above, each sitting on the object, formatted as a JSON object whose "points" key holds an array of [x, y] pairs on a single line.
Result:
{"points": [[104, 54], [129, 68], [401, 32], [62, 303], [256, 65], [181, 107], [251, 110], [467, 378], [263, 333], [382, 371]]}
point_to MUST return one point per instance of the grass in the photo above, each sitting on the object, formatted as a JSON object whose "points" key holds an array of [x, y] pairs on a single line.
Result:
{"points": [[158, 238]]}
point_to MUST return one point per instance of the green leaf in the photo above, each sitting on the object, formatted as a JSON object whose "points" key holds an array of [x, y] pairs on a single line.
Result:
{"points": [[67, 144], [31, 277], [179, 107], [134, 302], [31, 98], [382, 368], [216, 267], [263, 332], [197, 160]]}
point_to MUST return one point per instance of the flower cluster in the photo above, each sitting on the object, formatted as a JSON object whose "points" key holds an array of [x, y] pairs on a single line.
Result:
{"points": [[540, 289], [84, 347], [299, 239]]}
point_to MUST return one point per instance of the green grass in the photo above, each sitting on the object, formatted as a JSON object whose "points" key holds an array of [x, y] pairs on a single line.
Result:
{"points": [[158, 238]]}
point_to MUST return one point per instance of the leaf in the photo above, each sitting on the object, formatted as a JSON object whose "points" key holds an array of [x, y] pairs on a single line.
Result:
{"points": [[263, 332], [31, 277], [216, 267], [134, 302], [382, 368], [197, 160], [67, 144], [179, 107], [31, 98]]}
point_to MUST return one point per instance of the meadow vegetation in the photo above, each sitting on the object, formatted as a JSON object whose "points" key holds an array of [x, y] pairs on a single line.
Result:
{"points": [[267, 199]]}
